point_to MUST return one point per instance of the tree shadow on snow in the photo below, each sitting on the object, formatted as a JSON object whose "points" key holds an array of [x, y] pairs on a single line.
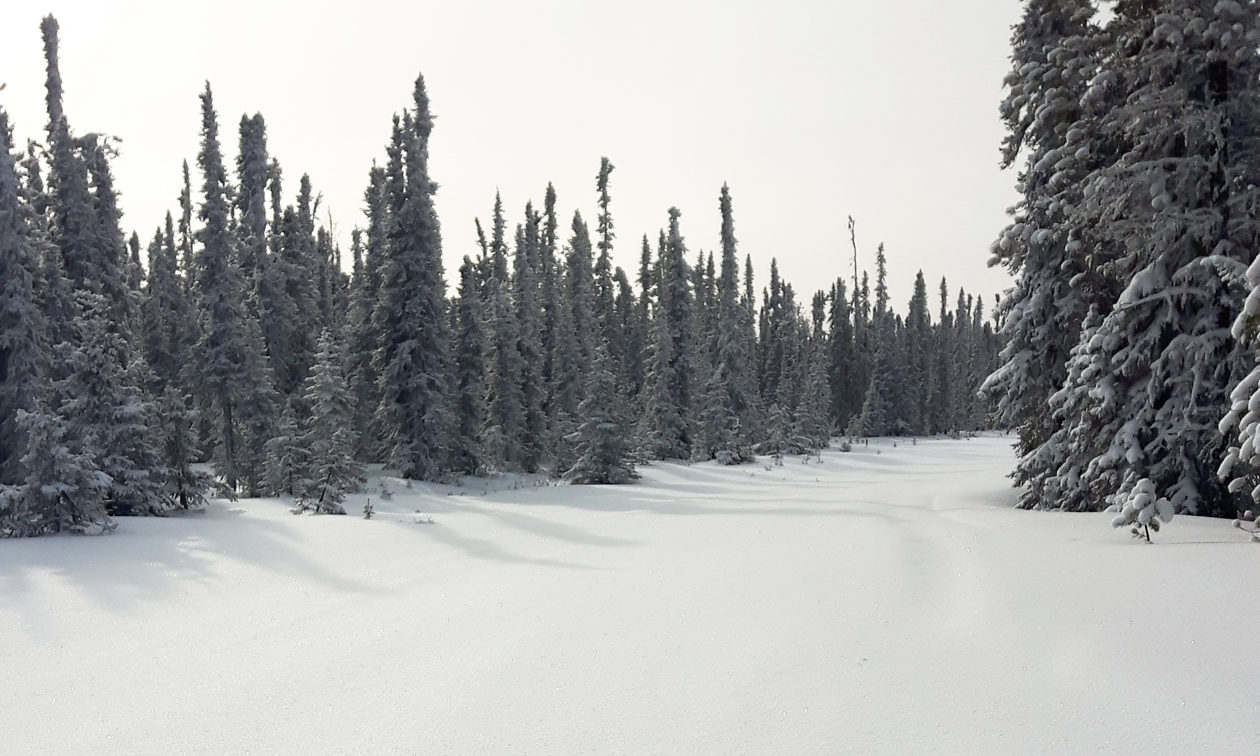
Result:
{"points": [[488, 550], [153, 558]]}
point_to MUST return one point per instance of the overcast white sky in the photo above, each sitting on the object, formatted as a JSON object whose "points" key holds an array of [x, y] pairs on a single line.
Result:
{"points": [[811, 111]]}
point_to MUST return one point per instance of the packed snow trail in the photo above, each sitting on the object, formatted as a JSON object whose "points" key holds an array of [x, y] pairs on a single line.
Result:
{"points": [[885, 601]]}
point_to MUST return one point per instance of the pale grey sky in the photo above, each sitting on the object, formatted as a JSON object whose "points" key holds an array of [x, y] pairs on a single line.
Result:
{"points": [[811, 111]]}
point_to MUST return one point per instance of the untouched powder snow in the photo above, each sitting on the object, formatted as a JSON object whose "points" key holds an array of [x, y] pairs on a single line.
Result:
{"points": [[885, 601]]}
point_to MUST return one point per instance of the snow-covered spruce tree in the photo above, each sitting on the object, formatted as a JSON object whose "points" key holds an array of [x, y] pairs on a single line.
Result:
{"points": [[107, 418], [580, 277], [1241, 468], [528, 316], [260, 411], [554, 310], [284, 297], [58, 304], [864, 348], [845, 401], [811, 421], [413, 357], [959, 368], [110, 252], [165, 313], [85, 230], [708, 286], [228, 366], [76, 227], [330, 280], [47, 483], [266, 280], [941, 406], [773, 350], [755, 418], [778, 430], [288, 469], [135, 276], [504, 422], [1075, 444], [671, 404], [1179, 206], [186, 262], [882, 404], [182, 486], [64, 490], [296, 265], [632, 337], [726, 411], [252, 169], [24, 356], [605, 291], [570, 358], [793, 333], [1054, 57], [918, 376], [701, 350], [364, 381], [601, 439], [469, 373], [328, 439]]}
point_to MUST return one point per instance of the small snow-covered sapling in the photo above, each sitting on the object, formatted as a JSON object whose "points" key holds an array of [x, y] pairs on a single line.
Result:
{"points": [[1143, 510], [368, 510], [386, 494]]}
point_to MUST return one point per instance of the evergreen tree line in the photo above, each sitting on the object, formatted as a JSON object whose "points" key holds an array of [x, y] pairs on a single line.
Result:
{"points": [[244, 344], [1129, 369]]}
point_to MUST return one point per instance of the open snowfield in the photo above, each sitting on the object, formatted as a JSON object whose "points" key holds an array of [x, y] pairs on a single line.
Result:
{"points": [[876, 603]]}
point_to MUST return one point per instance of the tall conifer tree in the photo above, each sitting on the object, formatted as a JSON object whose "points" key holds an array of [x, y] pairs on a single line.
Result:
{"points": [[413, 357], [1178, 208], [727, 402]]}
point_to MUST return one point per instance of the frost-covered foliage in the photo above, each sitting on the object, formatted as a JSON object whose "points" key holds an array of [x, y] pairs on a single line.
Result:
{"points": [[1137, 222], [64, 490], [1176, 220]]}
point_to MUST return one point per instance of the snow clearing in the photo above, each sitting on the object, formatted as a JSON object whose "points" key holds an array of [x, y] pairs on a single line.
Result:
{"points": [[888, 600]]}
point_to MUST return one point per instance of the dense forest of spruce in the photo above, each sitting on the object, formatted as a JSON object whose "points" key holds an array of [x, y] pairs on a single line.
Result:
{"points": [[242, 341], [1130, 369]]}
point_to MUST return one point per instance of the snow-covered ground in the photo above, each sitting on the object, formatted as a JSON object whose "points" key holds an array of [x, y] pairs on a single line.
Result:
{"points": [[885, 601]]}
